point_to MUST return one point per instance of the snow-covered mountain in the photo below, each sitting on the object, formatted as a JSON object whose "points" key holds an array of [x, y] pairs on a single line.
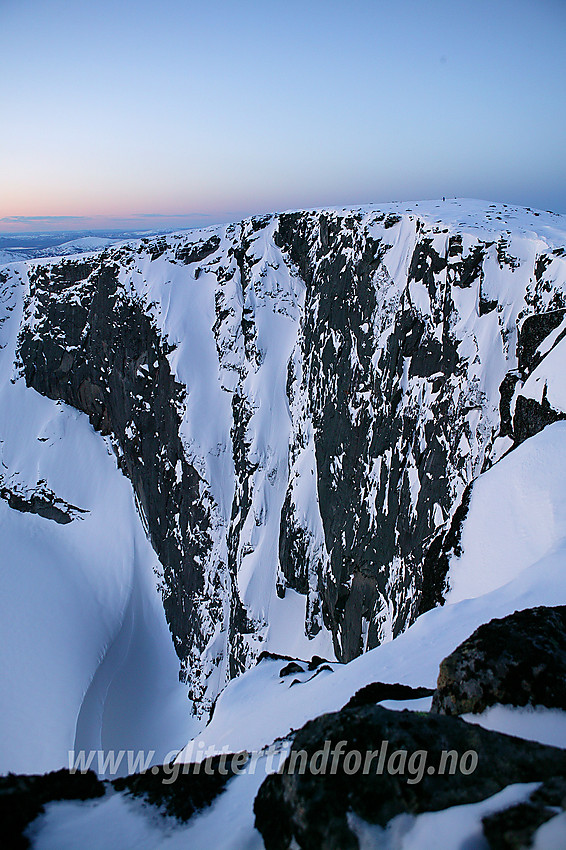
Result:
{"points": [[54, 246], [297, 405]]}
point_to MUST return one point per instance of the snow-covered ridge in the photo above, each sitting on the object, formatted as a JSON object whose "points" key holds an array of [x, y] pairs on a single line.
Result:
{"points": [[301, 402]]}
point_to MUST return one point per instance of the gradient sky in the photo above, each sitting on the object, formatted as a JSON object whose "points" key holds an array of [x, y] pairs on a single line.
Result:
{"points": [[130, 112]]}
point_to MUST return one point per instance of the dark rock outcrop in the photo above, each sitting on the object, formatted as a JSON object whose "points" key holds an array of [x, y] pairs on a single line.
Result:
{"points": [[175, 790], [182, 790], [533, 331], [22, 800], [430, 763], [291, 667], [515, 827], [379, 691], [43, 503], [532, 416], [518, 660]]}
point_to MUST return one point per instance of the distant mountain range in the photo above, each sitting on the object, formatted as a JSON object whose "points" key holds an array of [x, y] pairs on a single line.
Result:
{"points": [[15, 247]]}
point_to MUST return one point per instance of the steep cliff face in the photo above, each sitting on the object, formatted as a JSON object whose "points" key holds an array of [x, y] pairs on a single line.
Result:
{"points": [[86, 343], [302, 402], [407, 358]]}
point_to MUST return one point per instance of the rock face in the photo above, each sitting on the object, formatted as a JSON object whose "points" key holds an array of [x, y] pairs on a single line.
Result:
{"points": [[302, 403], [518, 660], [312, 806], [94, 347]]}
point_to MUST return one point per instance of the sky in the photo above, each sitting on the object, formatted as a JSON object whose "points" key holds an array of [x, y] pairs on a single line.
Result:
{"points": [[136, 113]]}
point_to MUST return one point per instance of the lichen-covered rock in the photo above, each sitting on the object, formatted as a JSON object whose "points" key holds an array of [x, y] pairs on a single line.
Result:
{"points": [[518, 660], [311, 806]]}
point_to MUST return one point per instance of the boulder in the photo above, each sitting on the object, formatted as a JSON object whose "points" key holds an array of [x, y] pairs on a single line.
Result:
{"points": [[378, 764], [379, 691], [518, 660]]}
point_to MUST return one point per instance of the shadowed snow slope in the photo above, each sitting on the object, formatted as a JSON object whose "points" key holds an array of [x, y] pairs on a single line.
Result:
{"points": [[87, 659]]}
